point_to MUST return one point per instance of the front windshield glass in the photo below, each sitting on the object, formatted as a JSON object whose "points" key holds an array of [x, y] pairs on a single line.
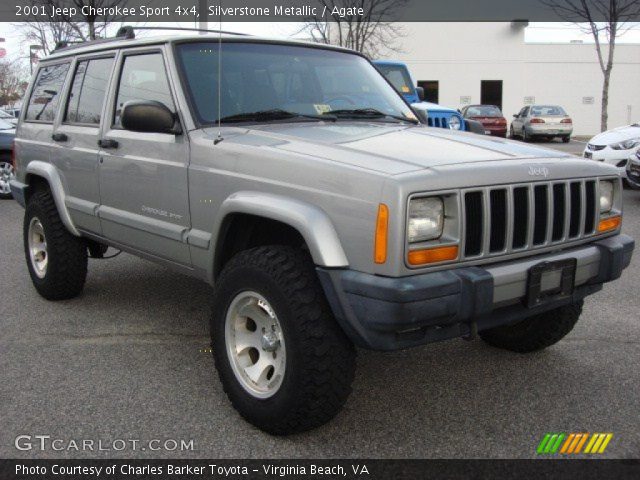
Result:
{"points": [[397, 76], [262, 77]]}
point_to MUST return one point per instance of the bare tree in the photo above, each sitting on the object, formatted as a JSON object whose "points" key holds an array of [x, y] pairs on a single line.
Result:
{"points": [[13, 76], [46, 33], [372, 33], [605, 20]]}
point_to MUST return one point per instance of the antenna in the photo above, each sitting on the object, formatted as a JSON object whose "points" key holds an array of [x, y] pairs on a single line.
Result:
{"points": [[219, 137]]}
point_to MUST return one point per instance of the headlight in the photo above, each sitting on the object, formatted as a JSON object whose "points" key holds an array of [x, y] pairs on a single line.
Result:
{"points": [[606, 196], [425, 219], [627, 144], [454, 123]]}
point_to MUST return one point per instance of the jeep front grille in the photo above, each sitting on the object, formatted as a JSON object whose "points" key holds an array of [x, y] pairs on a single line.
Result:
{"points": [[500, 220], [437, 121]]}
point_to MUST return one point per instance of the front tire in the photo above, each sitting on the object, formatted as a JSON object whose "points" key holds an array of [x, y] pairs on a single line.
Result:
{"points": [[57, 260], [284, 362], [534, 333]]}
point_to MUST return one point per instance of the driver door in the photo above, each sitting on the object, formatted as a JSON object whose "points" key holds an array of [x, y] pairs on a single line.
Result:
{"points": [[143, 176]]}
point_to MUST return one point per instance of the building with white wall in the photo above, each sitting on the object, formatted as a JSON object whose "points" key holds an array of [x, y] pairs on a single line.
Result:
{"points": [[492, 63]]}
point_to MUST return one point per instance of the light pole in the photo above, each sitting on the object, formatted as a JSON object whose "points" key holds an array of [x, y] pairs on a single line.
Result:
{"points": [[33, 48]]}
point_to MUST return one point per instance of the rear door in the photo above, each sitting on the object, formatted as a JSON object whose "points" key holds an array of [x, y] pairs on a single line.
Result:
{"points": [[75, 139], [143, 176]]}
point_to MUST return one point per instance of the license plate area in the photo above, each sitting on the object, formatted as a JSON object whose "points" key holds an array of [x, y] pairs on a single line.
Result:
{"points": [[548, 281]]}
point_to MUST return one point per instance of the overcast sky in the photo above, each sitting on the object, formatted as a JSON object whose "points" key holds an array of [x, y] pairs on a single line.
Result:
{"points": [[535, 33]]}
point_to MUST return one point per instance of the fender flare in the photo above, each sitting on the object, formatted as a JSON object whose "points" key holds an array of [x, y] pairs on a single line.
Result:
{"points": [[50, 174], [309, 220]]}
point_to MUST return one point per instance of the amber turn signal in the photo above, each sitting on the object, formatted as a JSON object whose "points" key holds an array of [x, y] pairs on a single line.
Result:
{"points": [[610, 223], [433, 255], [382, 228]]}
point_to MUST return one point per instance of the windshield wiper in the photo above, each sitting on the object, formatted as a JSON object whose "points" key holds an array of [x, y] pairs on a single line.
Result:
{"points": [[274, 114], [370, 113]]}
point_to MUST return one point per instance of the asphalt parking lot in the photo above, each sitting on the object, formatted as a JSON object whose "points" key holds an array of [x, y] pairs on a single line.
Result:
{"points": [[126, 360]]}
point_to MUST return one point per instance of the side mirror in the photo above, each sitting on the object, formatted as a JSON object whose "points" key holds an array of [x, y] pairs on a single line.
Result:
{"points": [[148, 116], [515, 115], [420, 92]]}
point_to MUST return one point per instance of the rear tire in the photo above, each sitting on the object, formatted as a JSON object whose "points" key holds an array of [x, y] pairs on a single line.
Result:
{"points": [[57, 260], [319, 365], [566, 139], [534, 333], [525, 135]]}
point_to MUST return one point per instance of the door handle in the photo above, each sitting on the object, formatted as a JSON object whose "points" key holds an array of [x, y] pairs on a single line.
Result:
{"points": [[59, 137], [107, 143]]}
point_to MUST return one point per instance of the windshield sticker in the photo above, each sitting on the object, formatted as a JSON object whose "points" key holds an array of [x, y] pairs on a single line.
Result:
{"points": [[322, 108]]}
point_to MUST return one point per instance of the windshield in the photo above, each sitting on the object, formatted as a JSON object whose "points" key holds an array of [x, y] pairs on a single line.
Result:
{"points": [[545, 110], [483, 111], [397, 76], [267, 77]]}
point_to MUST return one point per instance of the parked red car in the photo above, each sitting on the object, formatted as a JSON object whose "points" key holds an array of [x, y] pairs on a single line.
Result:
{"points": [[489, 116]]}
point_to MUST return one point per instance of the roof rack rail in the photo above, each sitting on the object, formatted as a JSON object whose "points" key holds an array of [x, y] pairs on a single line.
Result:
{"points": [[123, 33], [128, 30]]}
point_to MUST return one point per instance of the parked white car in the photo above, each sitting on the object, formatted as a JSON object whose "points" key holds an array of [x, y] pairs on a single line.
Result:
{"points": [[615, 146]]}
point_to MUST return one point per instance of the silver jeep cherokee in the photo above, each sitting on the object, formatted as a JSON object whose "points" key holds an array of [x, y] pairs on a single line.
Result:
{"points": [[295, 180]]}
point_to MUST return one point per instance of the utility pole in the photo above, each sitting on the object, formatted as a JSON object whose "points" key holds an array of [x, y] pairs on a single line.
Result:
{"points": [[203, 12]]}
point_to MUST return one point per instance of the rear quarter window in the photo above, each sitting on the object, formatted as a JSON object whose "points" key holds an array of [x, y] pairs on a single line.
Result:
{"points": [[47, 90]]}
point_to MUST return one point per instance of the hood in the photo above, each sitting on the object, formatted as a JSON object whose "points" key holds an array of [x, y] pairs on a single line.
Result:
{"points": [[432, 107], [386, 148], [617, 135]]}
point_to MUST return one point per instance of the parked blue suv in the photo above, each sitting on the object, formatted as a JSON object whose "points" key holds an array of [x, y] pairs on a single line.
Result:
{"points": [[398, 75]]}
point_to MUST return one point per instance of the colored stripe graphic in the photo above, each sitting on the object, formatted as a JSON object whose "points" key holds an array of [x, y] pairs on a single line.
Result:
{"points": [[543, 443], [573, 443]]}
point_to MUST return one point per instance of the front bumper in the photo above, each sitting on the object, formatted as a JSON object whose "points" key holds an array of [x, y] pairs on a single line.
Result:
{"points": [[19, 191], [549, 130], [385, 313], [617, 158]]}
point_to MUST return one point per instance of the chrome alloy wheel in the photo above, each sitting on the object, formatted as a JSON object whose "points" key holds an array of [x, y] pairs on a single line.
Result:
{"points": [[6, 175], [255, 344], [38, 248]]}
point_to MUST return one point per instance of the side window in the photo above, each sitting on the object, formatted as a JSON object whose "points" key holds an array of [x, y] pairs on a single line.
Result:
{"points": [[525, 112], [43, 103], [88, 91], [143, 77]]}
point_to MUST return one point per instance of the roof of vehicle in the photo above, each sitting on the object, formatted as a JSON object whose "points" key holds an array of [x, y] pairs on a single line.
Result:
{"points": [[395, 63], [481, 105], [121, 42]]}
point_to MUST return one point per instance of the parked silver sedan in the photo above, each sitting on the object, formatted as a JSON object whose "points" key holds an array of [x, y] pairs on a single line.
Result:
{"points": [[542, 121]]}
